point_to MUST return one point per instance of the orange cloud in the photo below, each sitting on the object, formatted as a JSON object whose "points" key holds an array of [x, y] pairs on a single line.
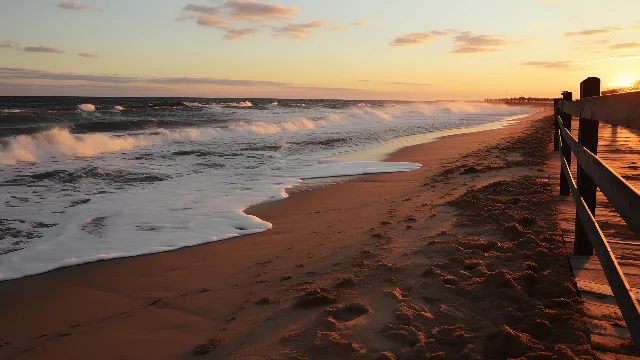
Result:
{"points": [[467, 43], [625, 46], [417, 38], [555, 65], [298, 31], [601, 31]]}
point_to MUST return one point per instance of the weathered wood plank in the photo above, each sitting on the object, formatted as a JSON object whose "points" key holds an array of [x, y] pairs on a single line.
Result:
{"points": [[621, 290], [618, 109], [588, 138], [622, 195], [565, 150]]}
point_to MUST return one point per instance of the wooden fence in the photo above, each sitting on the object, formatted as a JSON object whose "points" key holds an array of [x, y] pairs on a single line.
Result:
{"points": [[593, 173]]}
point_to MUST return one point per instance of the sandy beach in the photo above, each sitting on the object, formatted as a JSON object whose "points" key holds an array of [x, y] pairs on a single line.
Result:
{"points": [[461, 259]]}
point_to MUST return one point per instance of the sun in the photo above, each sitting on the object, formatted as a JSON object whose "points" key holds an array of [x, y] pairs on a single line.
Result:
{"points": [[625, 81]]}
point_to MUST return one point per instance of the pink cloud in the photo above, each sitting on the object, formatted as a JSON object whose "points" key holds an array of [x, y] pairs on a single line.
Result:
{"points": [[236, 34]]}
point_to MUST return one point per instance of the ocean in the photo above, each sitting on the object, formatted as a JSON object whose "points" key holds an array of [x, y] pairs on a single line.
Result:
{"points": [[86, 179]]}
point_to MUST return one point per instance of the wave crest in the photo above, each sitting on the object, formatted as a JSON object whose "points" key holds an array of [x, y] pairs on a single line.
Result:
{"points": [[87, 107]]}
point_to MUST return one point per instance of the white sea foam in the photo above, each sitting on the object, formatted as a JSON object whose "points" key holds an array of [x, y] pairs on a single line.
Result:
{"points": [[239, 104], [87, 107], [182, 212]]}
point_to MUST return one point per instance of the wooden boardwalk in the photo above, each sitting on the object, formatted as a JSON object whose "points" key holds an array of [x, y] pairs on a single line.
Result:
{"points": [[620, 148]]}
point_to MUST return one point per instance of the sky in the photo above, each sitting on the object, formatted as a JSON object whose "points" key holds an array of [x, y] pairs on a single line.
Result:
{"points": [[349, 49]]}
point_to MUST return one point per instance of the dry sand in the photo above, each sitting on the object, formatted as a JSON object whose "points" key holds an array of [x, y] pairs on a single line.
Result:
{"points": [[458, 260]]}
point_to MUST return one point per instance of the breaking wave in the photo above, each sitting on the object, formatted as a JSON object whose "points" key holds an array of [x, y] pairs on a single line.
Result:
{"points": [[61, 142], [87, 107]]}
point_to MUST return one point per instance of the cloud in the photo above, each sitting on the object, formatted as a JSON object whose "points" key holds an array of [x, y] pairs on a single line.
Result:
{"points": [[87, 55], [43, 49], [236, 34], [70, 5], [212, 21], [408, 84], [17, 89], [10, 44], [601, 31], [417, 38], [255, 10], [555, 65], [300, 92], [625, 46], [7, 73], [467, 43], [298, 31], [212, 81], [227, 15], [30, 74], [202, 9]]}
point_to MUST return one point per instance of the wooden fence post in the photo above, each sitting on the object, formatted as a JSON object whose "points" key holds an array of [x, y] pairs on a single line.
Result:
{"points": [[556, 139], [587, 137], [566, 150]]}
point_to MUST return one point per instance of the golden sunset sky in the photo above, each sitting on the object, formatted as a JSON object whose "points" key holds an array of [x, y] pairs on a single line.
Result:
{"points": [[350, 49]]}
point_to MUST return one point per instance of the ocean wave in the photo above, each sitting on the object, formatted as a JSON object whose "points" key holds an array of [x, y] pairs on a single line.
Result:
{"points": [[61, 142], [238, 104], [91, 173], [87, 107]]}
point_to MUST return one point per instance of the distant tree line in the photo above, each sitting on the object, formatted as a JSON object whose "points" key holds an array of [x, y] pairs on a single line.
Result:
{"points": [[634, 87], [519, 100]]}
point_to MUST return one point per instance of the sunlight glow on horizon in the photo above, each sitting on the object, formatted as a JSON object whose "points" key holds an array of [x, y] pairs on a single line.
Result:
{"points": [[625, 81]]}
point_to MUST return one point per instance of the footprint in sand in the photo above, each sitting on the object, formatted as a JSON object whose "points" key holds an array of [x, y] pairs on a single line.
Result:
{"points": [[348, 313]]}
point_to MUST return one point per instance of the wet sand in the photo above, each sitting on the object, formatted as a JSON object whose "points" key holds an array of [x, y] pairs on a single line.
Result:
{"points": [[461, 259]]}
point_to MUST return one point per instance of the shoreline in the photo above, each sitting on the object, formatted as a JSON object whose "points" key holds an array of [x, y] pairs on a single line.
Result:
{"points": [[383, 153], [187, 296], [385, 150]]}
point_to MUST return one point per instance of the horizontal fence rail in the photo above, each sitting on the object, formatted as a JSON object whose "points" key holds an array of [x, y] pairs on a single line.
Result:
{"points": [[624, 198], [620, 109], [593, 173], [617, 282]]}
